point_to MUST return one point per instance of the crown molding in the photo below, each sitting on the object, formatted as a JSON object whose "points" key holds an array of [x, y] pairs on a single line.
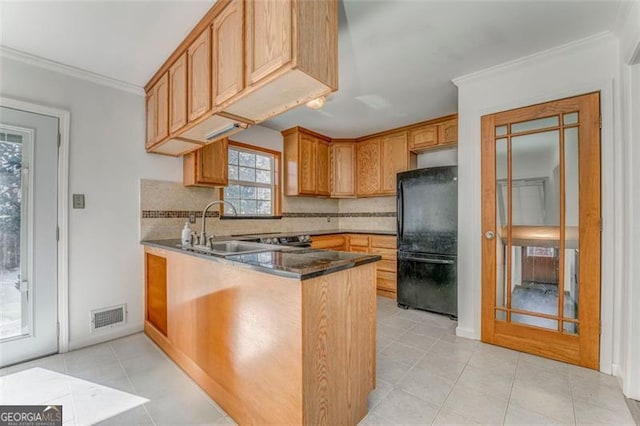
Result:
{"points": [[27, 58], [573, 45]]}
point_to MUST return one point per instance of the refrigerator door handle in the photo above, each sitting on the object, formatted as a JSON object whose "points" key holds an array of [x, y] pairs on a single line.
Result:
{"points": [[399, 213], [428, 260]]}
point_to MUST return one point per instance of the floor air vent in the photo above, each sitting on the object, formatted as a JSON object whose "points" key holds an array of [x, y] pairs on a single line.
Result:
{"points": [[108, 317]]}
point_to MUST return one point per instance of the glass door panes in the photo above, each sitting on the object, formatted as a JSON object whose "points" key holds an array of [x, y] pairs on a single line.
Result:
{"points": [[251, 183], [536, 169], [13, 233]]}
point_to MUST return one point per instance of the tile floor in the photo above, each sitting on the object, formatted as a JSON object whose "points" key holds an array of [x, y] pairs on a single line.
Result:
{"points": [[426, 375]]}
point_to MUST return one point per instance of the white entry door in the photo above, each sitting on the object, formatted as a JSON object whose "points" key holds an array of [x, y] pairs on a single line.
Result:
{"points": [[28, 235]]}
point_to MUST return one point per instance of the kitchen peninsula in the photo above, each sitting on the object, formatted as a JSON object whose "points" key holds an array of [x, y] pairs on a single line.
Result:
{"points": [[276, 337]]}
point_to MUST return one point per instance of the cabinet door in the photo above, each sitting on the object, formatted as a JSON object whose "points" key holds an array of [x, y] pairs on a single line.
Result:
{"points": [[178, 94], [395, 158], [199, 59], [162, 108], [228, 74], [156, 291], [423, 137], [368, 166], [322, 161], [343, 166], [151, 117], [448, 132], [212, 164], [267, 48], [307, 164]]}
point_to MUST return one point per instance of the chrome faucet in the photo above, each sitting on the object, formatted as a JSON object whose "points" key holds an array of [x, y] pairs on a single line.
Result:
{"points": [[203, 235]]}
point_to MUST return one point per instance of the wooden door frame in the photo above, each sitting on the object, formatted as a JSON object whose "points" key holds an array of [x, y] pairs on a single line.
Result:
{"points": [[585, 348]]}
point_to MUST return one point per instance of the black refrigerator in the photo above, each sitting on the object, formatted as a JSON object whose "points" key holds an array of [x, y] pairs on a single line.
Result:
{"points": [[427, 239]]}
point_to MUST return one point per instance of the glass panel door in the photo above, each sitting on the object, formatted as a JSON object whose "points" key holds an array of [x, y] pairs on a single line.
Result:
{"points": [[541, 197], [15, 306]]}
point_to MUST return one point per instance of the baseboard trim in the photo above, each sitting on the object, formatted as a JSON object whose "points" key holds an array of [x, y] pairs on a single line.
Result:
{"points": [[634, 407], [106, 335], [466, 332]]}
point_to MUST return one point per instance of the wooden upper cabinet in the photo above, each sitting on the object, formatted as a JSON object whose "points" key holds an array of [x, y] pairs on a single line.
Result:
{"points": [[434, 134], [423, 137], [150, 102], [162, 108], [395, 158], [343, 169], [368, 167], [208, 166], [199, 82], [157, 105], [228, 50], [178, 94], [448, 132], [323, 186], [306, 163], [268, 37]]}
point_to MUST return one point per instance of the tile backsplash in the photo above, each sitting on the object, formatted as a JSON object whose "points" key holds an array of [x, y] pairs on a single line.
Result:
{"points": [[165, 206]]}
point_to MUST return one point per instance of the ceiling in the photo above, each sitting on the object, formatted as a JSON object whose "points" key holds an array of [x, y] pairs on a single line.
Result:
{"points": [[397, 58]]}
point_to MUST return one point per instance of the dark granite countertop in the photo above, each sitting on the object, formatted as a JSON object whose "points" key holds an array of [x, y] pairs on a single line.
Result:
{"points": [[289, 262], [317, 232]]}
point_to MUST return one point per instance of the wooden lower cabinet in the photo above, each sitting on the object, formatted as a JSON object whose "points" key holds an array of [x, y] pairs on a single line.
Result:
{"points": [[386, 269], [156, 290], [335, 242], [270, 349]]}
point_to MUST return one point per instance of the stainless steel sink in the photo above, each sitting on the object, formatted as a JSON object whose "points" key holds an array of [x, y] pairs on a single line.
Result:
{"points": [[229, 248]]}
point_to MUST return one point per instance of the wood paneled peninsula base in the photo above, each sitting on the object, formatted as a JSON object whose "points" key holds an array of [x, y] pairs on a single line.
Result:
{"points": [[270, 345]]}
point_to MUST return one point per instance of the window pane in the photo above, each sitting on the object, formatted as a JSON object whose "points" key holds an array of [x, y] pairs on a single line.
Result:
{"points": [[248, 175], [247, 159], [228, 211], [248, 207], [540, 123], [263, 176], [264, 207], [263, 162], [233, 172], [233, 156], [248, 192], [571, 118], [264, 194], [501, 130], [232, 191]]}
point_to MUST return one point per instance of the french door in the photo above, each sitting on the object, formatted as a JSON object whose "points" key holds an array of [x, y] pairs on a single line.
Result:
{"points": [[541, 224], [28, 241]]}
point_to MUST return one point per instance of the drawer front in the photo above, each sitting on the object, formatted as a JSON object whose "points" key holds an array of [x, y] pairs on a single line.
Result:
{"points": [[325, 242], [386, 284], [387, 265], [358, 249], [380, 241], [387, 254], [387, 275], [359, 240]]}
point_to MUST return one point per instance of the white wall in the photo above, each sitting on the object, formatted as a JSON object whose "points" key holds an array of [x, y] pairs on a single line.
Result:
{"points": [[573, 69], [628, 317], [441, 158], [107, 160]]}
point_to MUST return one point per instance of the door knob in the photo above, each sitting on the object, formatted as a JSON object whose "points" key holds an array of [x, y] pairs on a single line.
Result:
{"points": [[489, 235]]}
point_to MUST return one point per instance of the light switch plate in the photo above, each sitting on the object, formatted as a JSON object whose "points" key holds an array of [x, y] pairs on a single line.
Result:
{"points": [[192, 217], [78, 201]]}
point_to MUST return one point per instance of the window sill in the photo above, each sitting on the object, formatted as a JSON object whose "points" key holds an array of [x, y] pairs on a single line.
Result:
{"points": [[249, 217]]}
